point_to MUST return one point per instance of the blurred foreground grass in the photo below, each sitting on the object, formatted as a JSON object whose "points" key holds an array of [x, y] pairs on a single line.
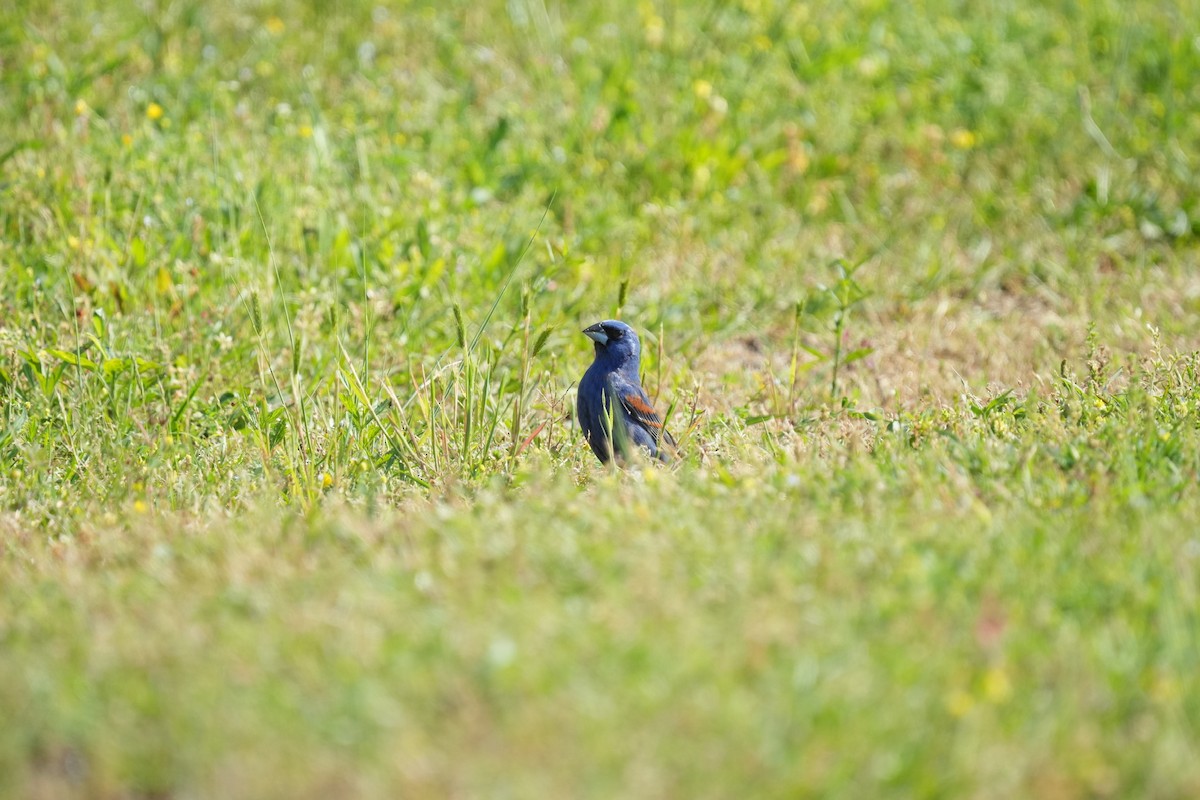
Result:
{"points": [[290, 501]]}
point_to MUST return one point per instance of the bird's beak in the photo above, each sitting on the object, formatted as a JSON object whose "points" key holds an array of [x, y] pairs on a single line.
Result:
{"points": [[596, 334]]}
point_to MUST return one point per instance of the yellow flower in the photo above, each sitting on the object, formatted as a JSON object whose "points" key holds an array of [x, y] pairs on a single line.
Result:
{"points": [[996, 686], [962, 138], [154, 111], [798, 160], [305, 131], [275, 26], [326, 480], [703, 89], [140, 506], [959, 703], [126, 139], [655, 29], [81, 107]]}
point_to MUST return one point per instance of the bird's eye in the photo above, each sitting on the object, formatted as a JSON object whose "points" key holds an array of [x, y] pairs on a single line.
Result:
{"points": [[614, 333]]}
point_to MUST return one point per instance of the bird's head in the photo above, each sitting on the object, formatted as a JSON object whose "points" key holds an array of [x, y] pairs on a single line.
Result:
{"points": [[614, 340]]}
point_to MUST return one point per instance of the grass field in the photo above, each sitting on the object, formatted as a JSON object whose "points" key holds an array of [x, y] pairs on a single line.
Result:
{"points": [[291, 504]]}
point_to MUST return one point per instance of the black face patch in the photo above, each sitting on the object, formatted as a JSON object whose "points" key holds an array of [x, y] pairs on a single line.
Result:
{"points": [[613, 332]]}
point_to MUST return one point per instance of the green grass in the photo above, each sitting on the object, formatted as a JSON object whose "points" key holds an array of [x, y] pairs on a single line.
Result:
{"points": [[290, 500]]}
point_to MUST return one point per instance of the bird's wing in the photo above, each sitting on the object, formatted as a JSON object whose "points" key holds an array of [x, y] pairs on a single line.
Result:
{"points": [[637, 406]]}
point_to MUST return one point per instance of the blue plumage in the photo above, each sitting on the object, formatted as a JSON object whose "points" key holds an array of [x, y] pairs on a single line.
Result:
{"points": [[611, 399]]}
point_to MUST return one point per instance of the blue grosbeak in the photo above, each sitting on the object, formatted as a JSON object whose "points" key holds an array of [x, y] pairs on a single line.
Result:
{"points": [[613, 410]]}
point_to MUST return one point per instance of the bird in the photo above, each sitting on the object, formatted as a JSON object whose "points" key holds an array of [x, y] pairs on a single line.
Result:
{"points": [[611, 407]]}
